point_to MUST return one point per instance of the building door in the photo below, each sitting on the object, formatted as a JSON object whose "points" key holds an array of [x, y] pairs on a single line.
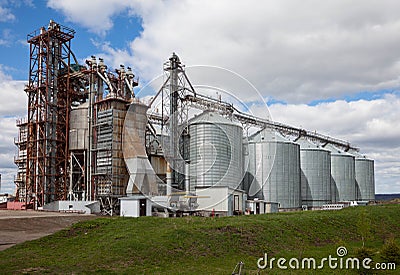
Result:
{"points": [[142, 207], [257, 208], [235, 203]]}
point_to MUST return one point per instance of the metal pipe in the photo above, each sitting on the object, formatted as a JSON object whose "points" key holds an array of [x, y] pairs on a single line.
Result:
{"points": [[113, 89], [130, 87], [169, 180], [90, 123], [187, 178], [173, 117], [84, 195], [70, 177]]}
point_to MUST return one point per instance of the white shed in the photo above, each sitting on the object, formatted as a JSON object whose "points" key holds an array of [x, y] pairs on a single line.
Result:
{"points": [[135, 206], [222, 200]]}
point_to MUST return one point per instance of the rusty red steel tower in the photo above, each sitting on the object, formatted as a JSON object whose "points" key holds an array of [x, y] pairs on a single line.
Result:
{"points": [[49, 101]]}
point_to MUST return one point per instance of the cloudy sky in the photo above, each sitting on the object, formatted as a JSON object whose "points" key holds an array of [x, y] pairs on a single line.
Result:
{"points": [[331, 66]]}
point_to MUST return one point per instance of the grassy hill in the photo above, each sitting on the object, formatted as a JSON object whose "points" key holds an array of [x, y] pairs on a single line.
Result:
{"points": [[195, 245]]}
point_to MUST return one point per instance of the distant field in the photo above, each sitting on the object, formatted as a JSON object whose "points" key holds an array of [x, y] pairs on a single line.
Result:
{"points": [[195, 245], [386, 197]]}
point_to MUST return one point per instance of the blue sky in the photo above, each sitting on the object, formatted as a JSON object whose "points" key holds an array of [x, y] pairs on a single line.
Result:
{"points": [[15, 50], [332, 66]]}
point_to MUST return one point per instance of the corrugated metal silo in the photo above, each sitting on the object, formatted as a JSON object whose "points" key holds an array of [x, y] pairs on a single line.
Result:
{"points": [[315, 163], [251, 183], [78, 148], [215, 151], [78, 128], [343, 180], [365, 177], [276, 166]]}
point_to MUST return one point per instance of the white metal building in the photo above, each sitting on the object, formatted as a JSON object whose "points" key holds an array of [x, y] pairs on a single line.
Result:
{"points": [[221, 200], [135, 206]]}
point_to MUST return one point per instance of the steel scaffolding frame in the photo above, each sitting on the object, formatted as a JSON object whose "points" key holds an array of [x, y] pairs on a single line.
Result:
{"points": [[20, 159], [174, 113], [53, 85], [48, 110]]}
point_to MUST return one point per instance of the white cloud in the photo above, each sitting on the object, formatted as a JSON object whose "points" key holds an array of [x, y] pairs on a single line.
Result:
{"points": [[12, 106], [290, 50], [293, 51], [18, 3], [6, 37], [6, 15], [7, 180], [367, 123], [13, 95], [6, 7], [113, 57], [94, 15]]}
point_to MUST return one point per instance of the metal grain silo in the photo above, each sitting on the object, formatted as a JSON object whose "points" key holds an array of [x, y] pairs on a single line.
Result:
{"points": [[276, 168], [365, 177], [78, 140], [78, 128], [251, 184], [315, 163], [343, 180], [215, 151]]}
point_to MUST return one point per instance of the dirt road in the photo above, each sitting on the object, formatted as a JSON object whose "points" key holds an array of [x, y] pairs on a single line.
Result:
{"points": [[21, 226]]}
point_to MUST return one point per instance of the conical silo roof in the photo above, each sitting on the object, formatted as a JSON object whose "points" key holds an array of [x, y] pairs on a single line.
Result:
{"points": [[306, 144], [358, 155], [213, 118], [336, 151], [267, 135]]}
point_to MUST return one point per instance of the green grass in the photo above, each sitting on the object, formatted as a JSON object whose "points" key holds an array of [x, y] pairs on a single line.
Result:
{"points": [[195, 245]]}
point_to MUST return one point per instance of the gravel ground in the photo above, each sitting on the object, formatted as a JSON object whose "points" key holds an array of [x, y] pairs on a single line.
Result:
{"points": [[20, 226]]}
